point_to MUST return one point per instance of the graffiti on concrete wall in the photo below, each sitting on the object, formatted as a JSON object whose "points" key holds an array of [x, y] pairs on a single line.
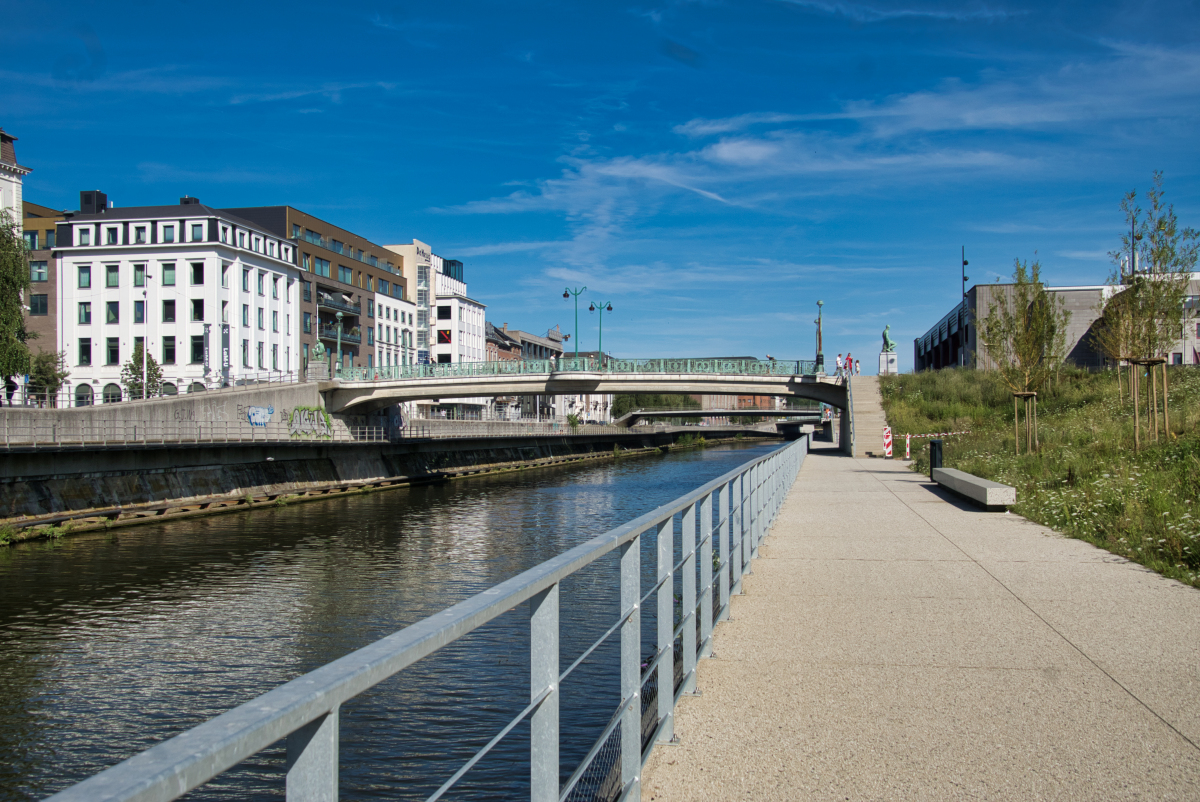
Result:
{"points": [[259, 416], [310, 422]]}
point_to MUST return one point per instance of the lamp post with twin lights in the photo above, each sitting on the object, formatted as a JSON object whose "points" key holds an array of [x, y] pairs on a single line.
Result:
{"points": [[567, 293], [604, 306]]}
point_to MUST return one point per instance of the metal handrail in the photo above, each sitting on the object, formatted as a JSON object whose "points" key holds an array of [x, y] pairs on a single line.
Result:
{"points": [[305, 711], [329, 302], [735, 367]]}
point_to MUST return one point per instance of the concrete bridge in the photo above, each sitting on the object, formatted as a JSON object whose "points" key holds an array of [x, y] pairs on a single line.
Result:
{"points": [[633, 417]]}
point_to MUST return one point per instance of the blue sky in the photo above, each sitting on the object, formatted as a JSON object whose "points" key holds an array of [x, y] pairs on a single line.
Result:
{"points": [[711, 168]]}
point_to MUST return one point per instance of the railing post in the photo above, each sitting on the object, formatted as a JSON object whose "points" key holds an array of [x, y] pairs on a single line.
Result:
{"points": [[723, 555], [755, 509], [666, 630], [631, 670], [543, 674], [736, 511], [706, 575], [687, 545], [312, 761]]}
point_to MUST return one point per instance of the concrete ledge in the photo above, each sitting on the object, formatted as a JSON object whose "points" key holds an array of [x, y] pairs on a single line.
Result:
{"points": [[992, 495]]}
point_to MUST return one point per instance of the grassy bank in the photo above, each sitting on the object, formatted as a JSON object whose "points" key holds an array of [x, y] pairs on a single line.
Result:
{"points": [[1086, 481]]}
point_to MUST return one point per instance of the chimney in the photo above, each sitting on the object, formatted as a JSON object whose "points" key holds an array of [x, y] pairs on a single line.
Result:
{"points": [[506, 328], [187, 200], [92, 201]]}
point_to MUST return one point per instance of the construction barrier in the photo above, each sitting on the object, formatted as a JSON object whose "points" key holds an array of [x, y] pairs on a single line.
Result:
{"points": [[887, 441]]}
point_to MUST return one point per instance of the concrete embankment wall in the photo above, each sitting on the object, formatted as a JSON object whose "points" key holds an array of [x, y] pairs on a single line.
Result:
{"points": [[49, 483]]}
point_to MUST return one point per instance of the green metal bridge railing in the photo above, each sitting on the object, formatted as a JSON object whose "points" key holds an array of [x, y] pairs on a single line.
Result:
{"points": [[723, 367]]}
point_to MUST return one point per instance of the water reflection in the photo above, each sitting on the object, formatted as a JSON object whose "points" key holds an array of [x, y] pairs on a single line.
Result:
{"points": [[111, 642]]}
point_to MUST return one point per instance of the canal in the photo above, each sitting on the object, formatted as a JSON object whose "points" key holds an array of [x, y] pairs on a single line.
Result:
{"points": [[111, 642]]}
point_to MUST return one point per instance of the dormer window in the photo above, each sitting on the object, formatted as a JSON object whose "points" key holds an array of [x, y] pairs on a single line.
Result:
{"points": [[225, 235], [139, 235], [197, 232], [241, 239], [112, 236], [85, 236], [168, 233]]}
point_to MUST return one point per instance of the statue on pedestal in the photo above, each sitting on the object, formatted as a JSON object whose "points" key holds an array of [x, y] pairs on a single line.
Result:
{"points": [[889, 345]]}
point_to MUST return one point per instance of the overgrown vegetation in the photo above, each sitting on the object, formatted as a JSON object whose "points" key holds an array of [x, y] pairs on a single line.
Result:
{"points": [[624, 403], [14, 289], [1086, 480]]}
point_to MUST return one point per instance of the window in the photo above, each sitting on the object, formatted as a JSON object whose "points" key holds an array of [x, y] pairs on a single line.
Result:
{"points": [[85, 236], [168, 274], [198, 309], [38, 272], [38, 304], [258, 244], [261, 291], [139, 235], [336, 246], [85, 313], [113, 349], [111, 237], [197, 349], [383, 286], [371, 335], [308, 323], [85, 353], [245, 281], [197, 232], [168, 312], [113, 312], [295, 231], [444, 337], [85, 277], [197, 273], [139, 311], [168, 352], [345, 275], [370, 284], [274, 321], [50, 239], [380, 332], [225, 234], [444, 313], [275, 288], [271, 247], [112, 274], [443, 358], [261, 364], [245, 314], [307, 285], [112, 393], [274, 356], [370, 308], [322, 266], [260, 320], [31, 240], [306, 262], [139, 275], [289, 325], [370, 360], [168, 233], [245, 353], [225, 275]]}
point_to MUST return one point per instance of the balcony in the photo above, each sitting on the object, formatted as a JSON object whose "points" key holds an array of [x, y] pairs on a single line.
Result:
{"points": [[325, 301], [351, 336]]}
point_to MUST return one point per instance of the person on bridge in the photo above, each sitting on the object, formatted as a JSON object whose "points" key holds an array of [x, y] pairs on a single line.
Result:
{"points": [[857, 367], [838, 373], [849, 365]]}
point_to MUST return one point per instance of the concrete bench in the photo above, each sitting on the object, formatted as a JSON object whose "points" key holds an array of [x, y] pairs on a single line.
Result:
{"points": [[991, 495]]}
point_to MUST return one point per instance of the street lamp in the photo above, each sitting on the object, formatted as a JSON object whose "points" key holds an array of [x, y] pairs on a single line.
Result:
{"points": [[962, 334], [567, 293], [820, 340], [339, 342], [145, 335], [605, 306]]}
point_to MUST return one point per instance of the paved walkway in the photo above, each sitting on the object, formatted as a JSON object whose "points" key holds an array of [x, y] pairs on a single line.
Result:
{"points": [[893, 644]]}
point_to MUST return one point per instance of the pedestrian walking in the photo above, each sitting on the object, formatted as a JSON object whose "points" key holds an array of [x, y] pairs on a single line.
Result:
{"points": [[857, 367], [838, 373], [849, 365]]}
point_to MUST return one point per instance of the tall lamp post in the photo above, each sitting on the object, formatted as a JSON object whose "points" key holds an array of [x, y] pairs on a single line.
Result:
{"points": [[604, 306], [820, 340], [962, 319], [339, 343], [567, 293], [145, 335]]}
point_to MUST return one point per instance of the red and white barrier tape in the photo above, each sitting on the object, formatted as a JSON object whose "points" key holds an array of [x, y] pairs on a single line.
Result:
{"points": [[935, 434]]}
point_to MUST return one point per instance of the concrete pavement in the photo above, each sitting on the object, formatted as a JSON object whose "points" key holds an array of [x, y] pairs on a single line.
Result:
{"points": [[895, 644]]}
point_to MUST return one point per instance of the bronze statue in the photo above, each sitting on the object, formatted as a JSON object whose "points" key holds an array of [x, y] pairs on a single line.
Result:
{"points": [[889, 345]]}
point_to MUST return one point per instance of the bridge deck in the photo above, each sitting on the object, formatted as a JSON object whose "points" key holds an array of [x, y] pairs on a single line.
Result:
{"points": [[895, 644]]}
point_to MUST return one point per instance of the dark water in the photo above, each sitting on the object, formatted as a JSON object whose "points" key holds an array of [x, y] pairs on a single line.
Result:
{"points": [[111, 642]]}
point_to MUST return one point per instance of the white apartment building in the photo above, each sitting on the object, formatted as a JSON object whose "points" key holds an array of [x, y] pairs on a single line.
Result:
{"points": [[458, 324], [12, 177], [212, 295], [394, 334], [416, 265]]}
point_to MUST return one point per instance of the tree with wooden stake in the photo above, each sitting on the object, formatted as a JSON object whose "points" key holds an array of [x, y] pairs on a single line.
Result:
{"points": [[1145, 316], [1025, 337]]}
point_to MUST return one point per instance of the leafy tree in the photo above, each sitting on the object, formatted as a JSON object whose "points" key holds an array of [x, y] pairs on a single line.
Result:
{"points": [[14, 286], [131, 375], [46, 376], [628, 402], [1025, 332]]}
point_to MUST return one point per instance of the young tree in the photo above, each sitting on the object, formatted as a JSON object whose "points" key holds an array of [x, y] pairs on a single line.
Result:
{"points": [[46, 375], [1025, 332], [14, 287], [131, 375]]}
